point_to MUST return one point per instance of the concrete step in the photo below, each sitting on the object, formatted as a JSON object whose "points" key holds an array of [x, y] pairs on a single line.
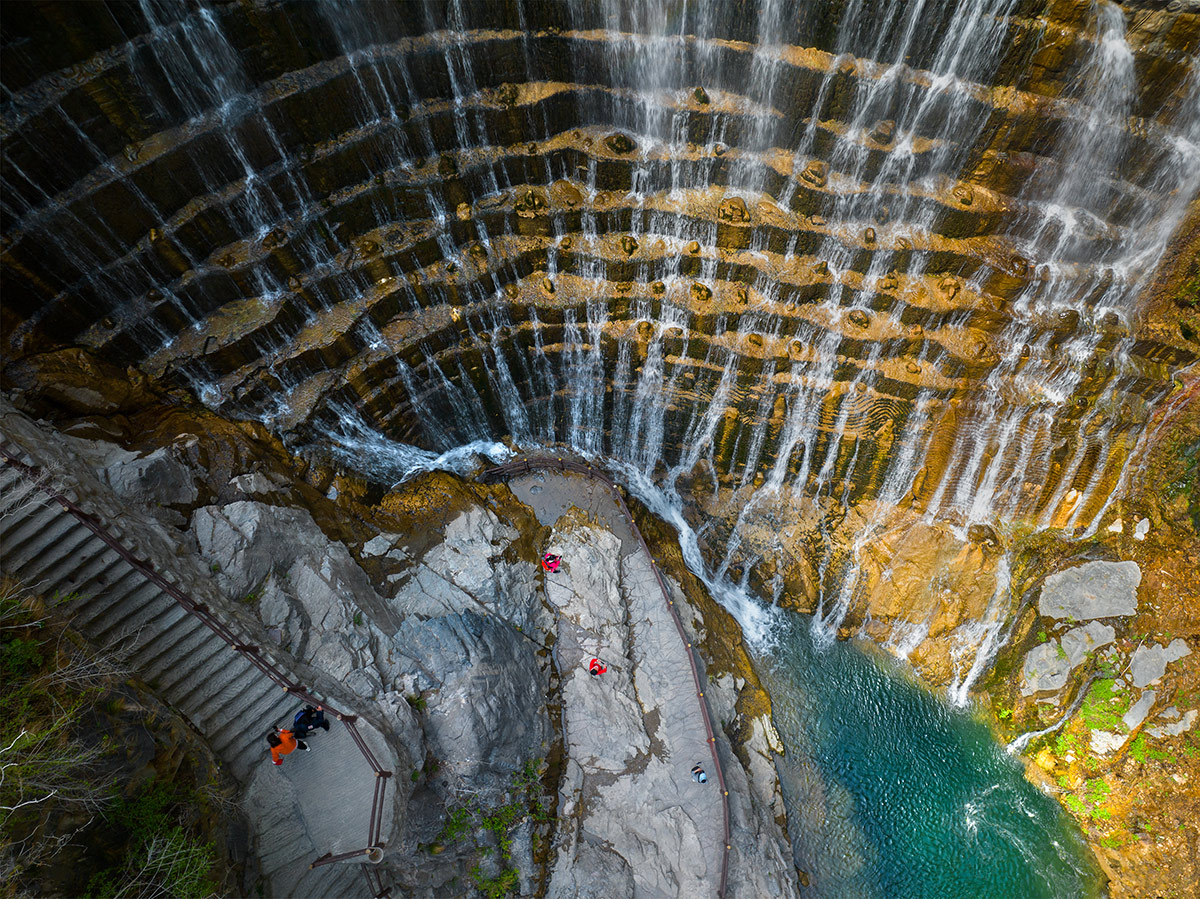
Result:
{"points": [[171, 647], [191, 674], [341, 880], [29, 538], [244, 745], [238, 695], [64, 543], [258, 716], [56, 571], [196, 660], [223, 686], [94, 571], [130, 608], [116, 581]]}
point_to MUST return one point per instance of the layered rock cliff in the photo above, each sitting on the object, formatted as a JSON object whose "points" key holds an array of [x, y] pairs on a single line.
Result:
{"points": [[885, 261]]}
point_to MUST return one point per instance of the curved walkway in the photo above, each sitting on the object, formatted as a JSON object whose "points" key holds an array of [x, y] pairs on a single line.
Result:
{"points": [[666, 680]]}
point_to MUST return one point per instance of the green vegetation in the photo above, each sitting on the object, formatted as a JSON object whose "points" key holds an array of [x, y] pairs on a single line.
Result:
{"points": [[1096, 791], [1183, 479], [1104, 707], [1067, 742], [41, 757], [54, 767], [491, 828], [160, 856], [1141, 751]]}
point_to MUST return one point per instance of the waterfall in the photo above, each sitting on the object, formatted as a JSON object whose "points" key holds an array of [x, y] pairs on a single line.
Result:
{"points": [[816, 274]]}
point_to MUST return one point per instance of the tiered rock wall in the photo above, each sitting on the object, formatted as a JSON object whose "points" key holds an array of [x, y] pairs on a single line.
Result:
{"points": [[848, 252]]}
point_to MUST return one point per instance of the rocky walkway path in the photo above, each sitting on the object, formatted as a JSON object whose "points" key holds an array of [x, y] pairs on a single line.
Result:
{"points": [[632, 821]]}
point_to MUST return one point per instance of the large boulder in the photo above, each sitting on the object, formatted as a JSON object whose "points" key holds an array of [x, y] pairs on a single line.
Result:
{"points": [[309, 593], [1046, 668], [482, 690], [1077, 643]]}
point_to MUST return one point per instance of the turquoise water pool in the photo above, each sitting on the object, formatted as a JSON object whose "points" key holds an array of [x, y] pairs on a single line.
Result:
{"points": [[892, 793]]}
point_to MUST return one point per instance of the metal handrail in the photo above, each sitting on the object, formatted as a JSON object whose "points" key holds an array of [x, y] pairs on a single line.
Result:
{"points": [[523, 466], [249, 651]]}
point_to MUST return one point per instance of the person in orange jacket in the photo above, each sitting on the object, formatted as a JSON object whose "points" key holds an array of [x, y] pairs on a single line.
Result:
{"points": [[283, 742]]}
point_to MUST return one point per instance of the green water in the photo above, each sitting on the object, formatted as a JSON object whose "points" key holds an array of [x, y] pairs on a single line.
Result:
{"points": [[891, 793]]}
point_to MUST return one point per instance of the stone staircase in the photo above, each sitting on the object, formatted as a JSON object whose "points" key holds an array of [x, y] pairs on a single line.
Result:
{"points": [[229, 701]]}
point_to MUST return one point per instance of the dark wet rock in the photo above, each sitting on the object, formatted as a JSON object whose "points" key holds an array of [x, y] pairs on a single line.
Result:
{"points": [[733, 210], [883, 131], [620, 144], [984, 534], [816, 173]]}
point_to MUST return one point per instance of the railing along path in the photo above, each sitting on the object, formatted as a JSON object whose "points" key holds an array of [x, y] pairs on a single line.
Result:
{"points": [[524, 466], [252, 653]]}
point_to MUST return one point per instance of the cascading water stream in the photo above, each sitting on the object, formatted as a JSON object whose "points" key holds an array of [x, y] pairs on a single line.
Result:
{"points": [[811, 278]]}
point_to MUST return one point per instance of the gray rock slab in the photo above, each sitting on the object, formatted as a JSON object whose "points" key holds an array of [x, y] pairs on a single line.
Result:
{"points": [[1149, 663], [598, 873], [551, 494], [1175, 728], [1091, 590], [1139, 710], [484, 694], [1046, 668], [1105, 742], [1079, 642]]}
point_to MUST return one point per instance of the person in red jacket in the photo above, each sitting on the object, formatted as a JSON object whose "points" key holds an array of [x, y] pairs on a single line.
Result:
{"points": [[283, 742], [596, 668]]}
